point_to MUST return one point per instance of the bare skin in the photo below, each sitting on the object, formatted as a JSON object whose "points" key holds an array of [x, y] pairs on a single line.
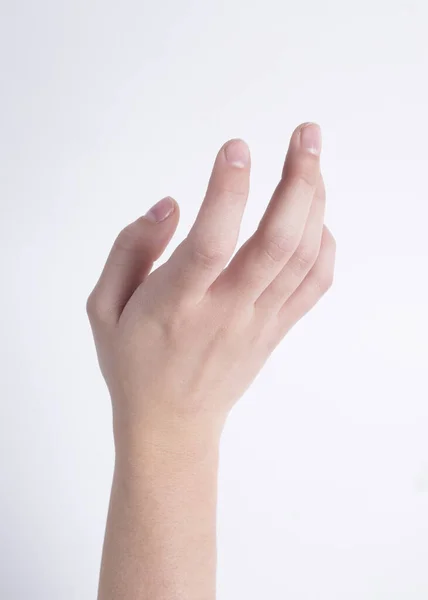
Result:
{"points": [[180, 344]]}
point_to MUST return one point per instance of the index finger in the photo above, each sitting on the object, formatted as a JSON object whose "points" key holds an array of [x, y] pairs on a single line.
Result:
{"points": [[202, 256]]}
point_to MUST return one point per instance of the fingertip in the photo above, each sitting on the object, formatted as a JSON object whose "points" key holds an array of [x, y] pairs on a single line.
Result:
{"points": [[308, 137], [161, 210], [237, 153]]}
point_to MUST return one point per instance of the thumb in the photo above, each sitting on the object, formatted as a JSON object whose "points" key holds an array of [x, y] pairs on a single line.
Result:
{"points": [[131, 259]]}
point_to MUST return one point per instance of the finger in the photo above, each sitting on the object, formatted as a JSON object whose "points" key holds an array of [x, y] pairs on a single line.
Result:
{"points": [[302, 261], [131, 259], [264, 255], [199, 259], [313, 287]]}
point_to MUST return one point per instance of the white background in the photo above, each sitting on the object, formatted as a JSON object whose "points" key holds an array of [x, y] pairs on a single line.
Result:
{"points": [[107, 107]]}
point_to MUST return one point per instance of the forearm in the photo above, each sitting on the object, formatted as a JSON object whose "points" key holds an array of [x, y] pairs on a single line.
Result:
{"points": [[161, 532]]}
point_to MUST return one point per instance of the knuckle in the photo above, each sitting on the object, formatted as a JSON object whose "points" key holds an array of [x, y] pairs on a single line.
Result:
{"points": [[127, 238], [227, 191], [96, 312], [305, 257], [308, 179], [324, 268], [92, 307], [175, 322], [206, 255], [324, 278], [304, 181], [279, 246], [173, 326]]}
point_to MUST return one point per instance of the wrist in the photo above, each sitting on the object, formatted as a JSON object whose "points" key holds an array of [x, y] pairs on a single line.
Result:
{"points": [[166, 439]]}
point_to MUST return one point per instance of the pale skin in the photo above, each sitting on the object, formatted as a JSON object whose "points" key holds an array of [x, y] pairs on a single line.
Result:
{"points": [[178, 346]]}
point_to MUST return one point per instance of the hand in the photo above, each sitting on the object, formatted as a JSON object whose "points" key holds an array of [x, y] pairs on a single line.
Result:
{"points": [[179, 345]]}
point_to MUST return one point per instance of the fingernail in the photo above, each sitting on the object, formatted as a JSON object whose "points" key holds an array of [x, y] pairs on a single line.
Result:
{"points": [[237, 153], [310, 138], [160, 211]]}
